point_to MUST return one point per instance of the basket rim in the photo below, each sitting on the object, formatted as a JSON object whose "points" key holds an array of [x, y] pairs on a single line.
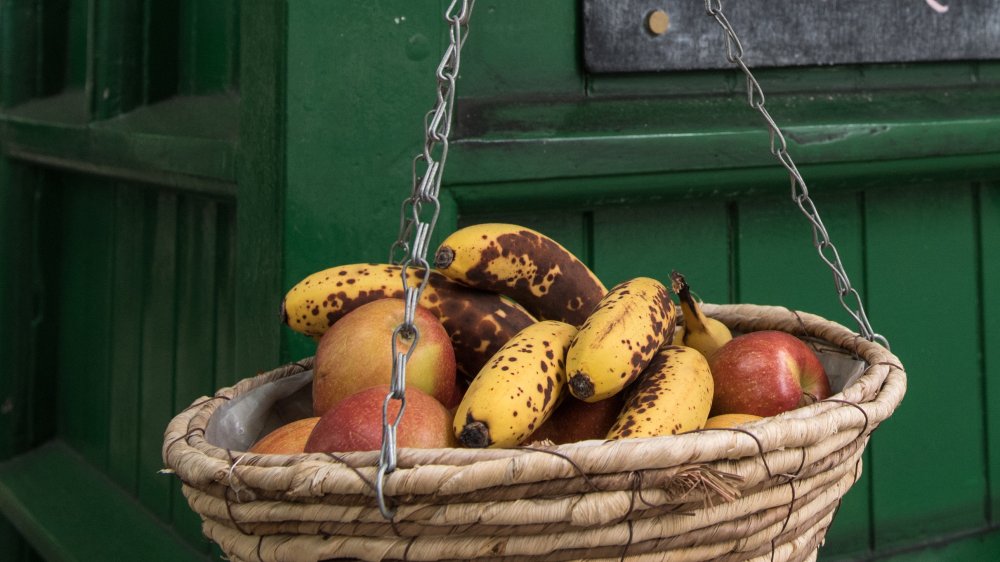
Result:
{"points": [[859, 408]]}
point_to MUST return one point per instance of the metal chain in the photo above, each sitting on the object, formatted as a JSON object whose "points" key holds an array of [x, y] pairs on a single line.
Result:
{"points": [[849, 297], [417, 218]]}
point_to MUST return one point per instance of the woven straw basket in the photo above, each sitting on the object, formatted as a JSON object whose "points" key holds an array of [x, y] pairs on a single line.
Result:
{"points": [[766, 491]]}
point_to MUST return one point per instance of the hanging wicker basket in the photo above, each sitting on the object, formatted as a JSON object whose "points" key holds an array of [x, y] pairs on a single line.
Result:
{"points": [[768, 490]]}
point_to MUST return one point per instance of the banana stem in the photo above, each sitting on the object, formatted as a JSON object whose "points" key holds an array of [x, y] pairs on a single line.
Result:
{"points": [[476, 435], [694, 318]]}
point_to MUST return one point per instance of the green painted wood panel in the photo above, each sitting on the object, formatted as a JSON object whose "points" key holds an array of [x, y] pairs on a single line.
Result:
{"points": [[130, 225], [261, 176], [208, 45], [225, 299], [83, 304], [71, 512], [778, 265], [196, 325], [506, 35], [159, 339], [989, 288], [928, 462], [691, 236], [115, 76]]}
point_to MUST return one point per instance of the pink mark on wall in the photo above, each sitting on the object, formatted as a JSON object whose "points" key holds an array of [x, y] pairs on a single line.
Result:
{"points": [[937, 6]]}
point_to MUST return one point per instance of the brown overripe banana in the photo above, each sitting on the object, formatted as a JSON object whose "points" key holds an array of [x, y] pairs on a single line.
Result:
{"points": [[478, 322], [673, 395], [518, 389], [525, 265], [700, 332], [619, 338]]}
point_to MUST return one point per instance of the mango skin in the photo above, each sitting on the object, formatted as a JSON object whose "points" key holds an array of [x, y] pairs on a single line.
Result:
{"points": [[289, 439]]}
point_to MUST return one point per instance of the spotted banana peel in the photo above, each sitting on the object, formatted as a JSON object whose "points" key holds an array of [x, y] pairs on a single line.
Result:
{"points": [[478, 322], [518, 389], [525, 265], [673, 395], [619, 338]]}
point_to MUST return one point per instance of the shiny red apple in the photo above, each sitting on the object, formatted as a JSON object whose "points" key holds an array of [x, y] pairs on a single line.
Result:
{"points": [[765, 373]]}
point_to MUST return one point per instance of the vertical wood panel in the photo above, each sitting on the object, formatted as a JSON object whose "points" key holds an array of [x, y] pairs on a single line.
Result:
{"points": [[225, 303], [18, 57], [208, 42], [196, 308], [262, 180], [128, 284], [928, 460], [778, 265], [158, 352], [160, 45], [690, 236], [84, 336], [116, 81], [989, 236]]}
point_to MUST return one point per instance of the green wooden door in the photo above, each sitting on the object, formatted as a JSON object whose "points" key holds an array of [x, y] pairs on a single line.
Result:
{"points": [[118, 207], [170, 169]]}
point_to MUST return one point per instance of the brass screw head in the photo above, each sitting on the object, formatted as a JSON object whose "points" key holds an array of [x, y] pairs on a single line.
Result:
{"points": [[657, 22]]}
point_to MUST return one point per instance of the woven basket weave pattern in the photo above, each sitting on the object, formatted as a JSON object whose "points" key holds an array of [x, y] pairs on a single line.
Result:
{"points": [[768, 490]]}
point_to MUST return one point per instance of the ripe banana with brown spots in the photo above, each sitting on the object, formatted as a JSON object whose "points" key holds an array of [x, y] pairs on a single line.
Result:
{"points": [[700, 332], [619, 338], [478, 322], [525, 265], [673, 395], [518, 389]]}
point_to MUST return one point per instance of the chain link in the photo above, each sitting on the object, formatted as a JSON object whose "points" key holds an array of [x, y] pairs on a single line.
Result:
{"points": [[417, 217], [849, 297]]}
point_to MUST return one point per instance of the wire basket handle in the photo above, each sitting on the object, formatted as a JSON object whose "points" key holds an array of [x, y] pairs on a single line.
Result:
{"points": [[849, 297], [417, 218]]}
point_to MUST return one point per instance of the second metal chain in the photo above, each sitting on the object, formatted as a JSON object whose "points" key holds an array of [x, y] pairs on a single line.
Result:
{"points": [[417, 218], [849, 297]]}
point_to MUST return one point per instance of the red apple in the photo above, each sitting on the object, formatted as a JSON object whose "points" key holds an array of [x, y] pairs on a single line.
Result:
{"points": [[356, 353], [575, 420], [288, 439], [355, 423], [765, 373]]}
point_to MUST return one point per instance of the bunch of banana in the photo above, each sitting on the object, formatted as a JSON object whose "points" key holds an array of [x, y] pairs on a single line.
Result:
{"points": [[478, 322], [673, 395], [517, 390], [524, 265], [619, 338], [699, 331]]}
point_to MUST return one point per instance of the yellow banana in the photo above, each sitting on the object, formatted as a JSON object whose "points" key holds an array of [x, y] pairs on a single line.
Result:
{"points": [[619, 338], [700, 332], [524, 265], [478, 322], [673, 395], [518, 389]]}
